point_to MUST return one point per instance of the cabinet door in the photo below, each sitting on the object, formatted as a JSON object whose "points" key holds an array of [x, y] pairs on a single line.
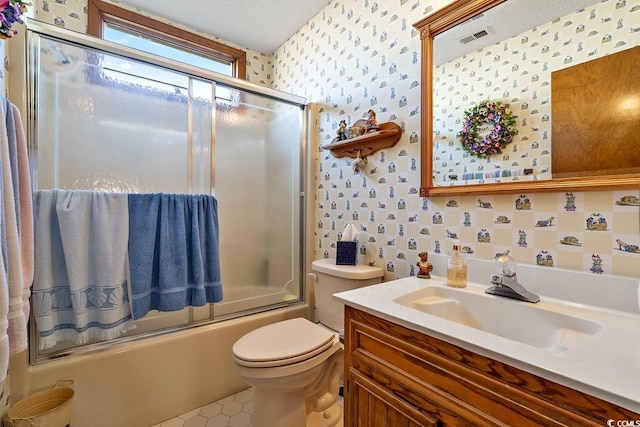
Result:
{"points": [[373, 406]]}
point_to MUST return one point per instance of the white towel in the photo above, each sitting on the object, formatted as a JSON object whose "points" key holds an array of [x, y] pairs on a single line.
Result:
{"points": [[80, 289], [17, 323]]}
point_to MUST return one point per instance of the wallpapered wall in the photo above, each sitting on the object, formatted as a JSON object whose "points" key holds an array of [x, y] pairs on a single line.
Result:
{"points": [[362, 54], [517, 72]]}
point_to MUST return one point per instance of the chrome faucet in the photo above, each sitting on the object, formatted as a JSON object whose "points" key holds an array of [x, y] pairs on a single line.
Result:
{"points": [[506, 284]]}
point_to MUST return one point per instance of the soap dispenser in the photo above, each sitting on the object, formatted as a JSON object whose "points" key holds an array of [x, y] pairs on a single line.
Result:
{"points": [[456, 267]]}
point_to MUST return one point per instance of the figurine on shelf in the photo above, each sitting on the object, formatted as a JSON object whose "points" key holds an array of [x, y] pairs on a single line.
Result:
{"points": [[355, 131], [424, 266], [342, 130], [372, 122]]}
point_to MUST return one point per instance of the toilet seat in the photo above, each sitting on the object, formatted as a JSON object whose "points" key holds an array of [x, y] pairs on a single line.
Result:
{"points": [[282, 343]]}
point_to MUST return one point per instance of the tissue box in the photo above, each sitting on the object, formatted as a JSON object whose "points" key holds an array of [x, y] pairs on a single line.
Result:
{"points": [[347, 253]]}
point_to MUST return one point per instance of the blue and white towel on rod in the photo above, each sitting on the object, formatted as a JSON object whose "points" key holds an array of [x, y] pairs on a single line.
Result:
{"points": [[173, 251], [80, 288]]}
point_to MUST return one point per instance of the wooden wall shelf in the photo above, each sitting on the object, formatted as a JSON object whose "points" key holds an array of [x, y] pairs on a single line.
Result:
{"points": [[386, 137]]}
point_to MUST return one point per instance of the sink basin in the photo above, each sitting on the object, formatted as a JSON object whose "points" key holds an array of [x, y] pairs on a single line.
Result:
{"points": [[541, 325]]}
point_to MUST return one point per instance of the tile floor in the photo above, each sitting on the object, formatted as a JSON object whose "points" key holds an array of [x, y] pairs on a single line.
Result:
{"points": [[232, 411]]}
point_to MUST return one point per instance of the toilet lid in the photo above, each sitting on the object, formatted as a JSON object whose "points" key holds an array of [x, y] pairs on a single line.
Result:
{"points": [[282, 343]]}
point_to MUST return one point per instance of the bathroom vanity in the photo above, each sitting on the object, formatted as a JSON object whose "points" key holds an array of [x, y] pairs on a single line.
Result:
{"points": [[418, 353], [398, 377]]}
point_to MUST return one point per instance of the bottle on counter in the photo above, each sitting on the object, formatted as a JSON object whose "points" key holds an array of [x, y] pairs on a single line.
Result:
{"points": [[456, 267]]}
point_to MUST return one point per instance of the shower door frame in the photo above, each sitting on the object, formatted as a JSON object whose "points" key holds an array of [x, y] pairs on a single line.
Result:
{"points": [[29, 90]]}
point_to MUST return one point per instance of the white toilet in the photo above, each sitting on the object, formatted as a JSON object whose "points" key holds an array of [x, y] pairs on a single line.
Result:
{"points": [[295, 365]]}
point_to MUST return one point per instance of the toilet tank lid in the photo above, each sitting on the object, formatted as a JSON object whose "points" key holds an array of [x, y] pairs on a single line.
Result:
{"points": [[356, 272]]}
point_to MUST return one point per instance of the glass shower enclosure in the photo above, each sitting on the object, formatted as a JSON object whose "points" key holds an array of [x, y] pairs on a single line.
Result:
{"points": [[108, 118]]}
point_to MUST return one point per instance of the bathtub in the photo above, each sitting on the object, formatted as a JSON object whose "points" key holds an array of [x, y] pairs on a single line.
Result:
{"points": [[147, 381]]}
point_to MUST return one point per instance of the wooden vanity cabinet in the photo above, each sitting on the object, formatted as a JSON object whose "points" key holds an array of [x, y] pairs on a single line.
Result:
{"points": [[397, 377]]}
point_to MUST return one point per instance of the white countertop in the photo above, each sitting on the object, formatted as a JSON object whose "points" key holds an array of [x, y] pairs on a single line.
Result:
{"points": [[606, 365]]}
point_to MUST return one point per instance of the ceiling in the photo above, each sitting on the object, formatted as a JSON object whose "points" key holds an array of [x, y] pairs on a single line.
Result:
{"points": [[265, 25], [260, 25]]}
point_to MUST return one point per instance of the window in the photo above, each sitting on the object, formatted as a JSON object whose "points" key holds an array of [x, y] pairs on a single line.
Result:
{"points": [[123, 26]]}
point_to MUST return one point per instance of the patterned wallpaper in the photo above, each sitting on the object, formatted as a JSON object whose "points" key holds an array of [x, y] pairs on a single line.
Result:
{"points": [[518, 72], [358, 55]]}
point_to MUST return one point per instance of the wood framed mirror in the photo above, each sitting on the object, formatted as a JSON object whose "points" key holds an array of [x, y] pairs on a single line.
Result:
{"points": [[462, 12]]}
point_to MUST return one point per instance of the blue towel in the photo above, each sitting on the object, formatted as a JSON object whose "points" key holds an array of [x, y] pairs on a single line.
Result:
{"points": [[173, 252]]}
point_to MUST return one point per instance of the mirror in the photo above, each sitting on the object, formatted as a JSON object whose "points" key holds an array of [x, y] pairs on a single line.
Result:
{"points": [[454, 84]]}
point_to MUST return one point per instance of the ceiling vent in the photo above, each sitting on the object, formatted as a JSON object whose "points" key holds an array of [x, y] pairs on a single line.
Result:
{"points": [[474, 36]]}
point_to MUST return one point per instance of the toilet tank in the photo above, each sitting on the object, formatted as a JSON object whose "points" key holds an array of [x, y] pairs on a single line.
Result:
{"points": [[334, 278]]}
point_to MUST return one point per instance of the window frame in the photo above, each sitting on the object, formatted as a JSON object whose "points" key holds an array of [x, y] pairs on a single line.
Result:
{"points": [[100, 11]]}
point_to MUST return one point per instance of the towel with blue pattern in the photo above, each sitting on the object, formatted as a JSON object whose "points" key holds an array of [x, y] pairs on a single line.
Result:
{"points": [[80, 288], [173, 252]]}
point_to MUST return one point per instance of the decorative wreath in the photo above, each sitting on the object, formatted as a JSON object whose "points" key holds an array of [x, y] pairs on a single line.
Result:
{"points": [[494, 114]]}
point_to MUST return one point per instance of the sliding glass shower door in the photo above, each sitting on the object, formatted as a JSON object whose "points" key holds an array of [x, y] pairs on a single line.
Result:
{"points": [[111, 119], [257, 174]]}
